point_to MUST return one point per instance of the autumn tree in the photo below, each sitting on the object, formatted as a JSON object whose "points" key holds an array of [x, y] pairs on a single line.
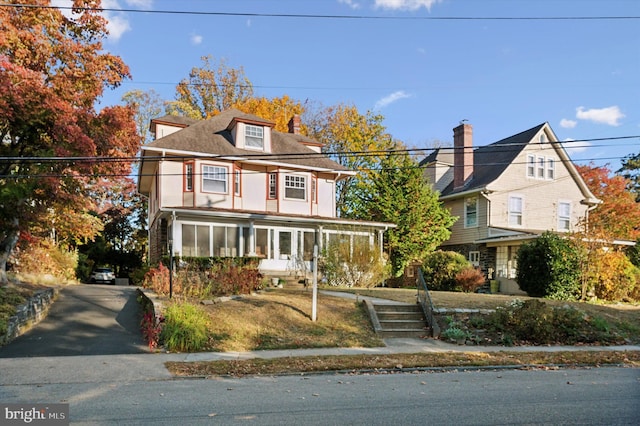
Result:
{"points": [[399, 194], [210, 89], [278, 110], [53, 68], [618, 217], [356, 141], [146, 105]]}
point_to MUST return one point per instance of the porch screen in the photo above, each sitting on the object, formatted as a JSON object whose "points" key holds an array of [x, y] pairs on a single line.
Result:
{"points": [[195, 241], [225, 241], [284, 241], [262, 242], [309, 242]]}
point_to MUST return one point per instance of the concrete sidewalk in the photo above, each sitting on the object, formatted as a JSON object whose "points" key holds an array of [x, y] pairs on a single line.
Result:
{"points": [[150, 367]]}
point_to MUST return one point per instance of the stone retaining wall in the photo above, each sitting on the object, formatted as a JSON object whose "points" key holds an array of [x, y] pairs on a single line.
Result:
{"points": [[149, 302], [29, 314]]}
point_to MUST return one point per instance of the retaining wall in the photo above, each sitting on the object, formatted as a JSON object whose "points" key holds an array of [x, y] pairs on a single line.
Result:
{"points": [[29, 314]]}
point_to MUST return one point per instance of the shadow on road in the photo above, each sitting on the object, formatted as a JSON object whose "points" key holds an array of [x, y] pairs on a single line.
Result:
{"points": [[84, 320]]}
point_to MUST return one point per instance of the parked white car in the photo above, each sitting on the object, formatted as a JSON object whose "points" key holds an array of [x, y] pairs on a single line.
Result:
{"points": [[103, 275]]}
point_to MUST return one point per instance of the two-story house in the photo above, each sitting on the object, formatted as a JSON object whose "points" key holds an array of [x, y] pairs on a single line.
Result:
{"points": [[506, 193], [233, 186]]}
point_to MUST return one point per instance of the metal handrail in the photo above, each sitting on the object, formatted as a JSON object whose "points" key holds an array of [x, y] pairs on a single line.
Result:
{"points": [[424, 298]]}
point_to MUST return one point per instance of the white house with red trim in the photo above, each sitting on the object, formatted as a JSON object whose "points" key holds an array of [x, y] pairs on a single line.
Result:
{"points": [[233, 186]]}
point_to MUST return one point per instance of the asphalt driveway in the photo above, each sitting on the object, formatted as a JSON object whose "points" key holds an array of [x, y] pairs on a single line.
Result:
{"points": [[87, 319]]}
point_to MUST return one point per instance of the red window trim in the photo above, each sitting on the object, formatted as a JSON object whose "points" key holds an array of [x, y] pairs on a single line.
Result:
{"points": [[185, 181], [275, 195]]}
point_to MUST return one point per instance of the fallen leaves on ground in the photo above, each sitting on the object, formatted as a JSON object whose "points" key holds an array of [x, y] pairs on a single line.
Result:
{"points": [[385, 363]]}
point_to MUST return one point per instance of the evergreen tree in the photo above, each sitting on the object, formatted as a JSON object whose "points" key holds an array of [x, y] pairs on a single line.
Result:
{"points": [[399, 194]]}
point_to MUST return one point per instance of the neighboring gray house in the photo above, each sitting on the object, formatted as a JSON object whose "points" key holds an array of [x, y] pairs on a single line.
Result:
{"points": [[233, 186], [506, 193]]}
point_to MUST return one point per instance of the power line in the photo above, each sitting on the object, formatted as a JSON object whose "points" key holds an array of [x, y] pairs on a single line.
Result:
{"points": [[327, 16], [299, 156]]}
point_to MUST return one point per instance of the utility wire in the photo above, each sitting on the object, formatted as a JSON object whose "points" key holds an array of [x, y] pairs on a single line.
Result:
{"points": [[505, 147], [324, 16]]}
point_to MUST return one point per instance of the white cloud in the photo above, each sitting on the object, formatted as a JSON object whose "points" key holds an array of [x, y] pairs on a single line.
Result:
{"points": [[568, 124], [117, 22], [140, 4], [575, 147], [351, 3], [388, 100], [117, 26], [610, 115], [196, 38], [406, 4]]}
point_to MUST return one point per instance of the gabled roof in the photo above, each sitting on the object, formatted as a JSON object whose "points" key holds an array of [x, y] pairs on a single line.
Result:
{"points": [[213, 138], [490, 161], [172, 120]]}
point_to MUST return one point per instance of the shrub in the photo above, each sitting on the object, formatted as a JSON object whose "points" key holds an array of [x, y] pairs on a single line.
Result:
{"points": [[208, 277], [549, 267], [151, 327], [357, 266], [536, 322], [615, 277], [39, 257], [470, 279], [441, 267], [185, 328], [157, 279]]}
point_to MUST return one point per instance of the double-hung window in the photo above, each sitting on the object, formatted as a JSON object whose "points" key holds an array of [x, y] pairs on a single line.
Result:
{"points": [[515, 210], [188, 177], [314, 189], [214, 179], [237, 182], [564, 216], [471, 212], [273, 186], [295, 187], [253, 137], [551, 168], [531, 166], [540, 167]]}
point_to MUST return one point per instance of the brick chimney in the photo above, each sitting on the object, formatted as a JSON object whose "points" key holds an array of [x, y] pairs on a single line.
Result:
{"points": [[294, 124], [462, 154]]}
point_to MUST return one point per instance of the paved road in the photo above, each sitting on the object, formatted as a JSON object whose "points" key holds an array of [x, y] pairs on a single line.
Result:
{"points": [[84, 320], [595, 396]]}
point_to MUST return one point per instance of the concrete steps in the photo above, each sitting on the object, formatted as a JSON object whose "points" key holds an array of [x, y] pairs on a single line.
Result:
{"points": [[398, 320]]}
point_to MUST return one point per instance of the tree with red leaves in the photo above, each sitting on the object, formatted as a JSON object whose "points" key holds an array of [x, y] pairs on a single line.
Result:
{"points": [[54, 144], [618, 217]]}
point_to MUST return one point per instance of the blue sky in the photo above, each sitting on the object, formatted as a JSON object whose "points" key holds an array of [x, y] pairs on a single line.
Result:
{"points": [[423, 75]]}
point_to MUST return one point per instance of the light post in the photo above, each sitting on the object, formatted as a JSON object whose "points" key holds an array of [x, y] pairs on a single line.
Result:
{"points": [[170, 268]]}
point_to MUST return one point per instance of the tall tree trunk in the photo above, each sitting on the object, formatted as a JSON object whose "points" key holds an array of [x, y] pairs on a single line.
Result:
{"points": [[7, 245]]}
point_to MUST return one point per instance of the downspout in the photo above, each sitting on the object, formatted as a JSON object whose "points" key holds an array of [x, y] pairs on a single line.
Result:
{"points": [[586, 218]]}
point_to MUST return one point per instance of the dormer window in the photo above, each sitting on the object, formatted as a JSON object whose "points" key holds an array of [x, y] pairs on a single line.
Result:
{"points": [[254, 137]]}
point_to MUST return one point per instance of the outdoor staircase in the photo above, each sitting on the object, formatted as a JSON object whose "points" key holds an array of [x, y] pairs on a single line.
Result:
{"points": [[398, 319]]}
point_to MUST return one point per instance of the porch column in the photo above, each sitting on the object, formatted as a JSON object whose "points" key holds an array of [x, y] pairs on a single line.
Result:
{"points": [[319, 238], [381, 242], [252, 240]]}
